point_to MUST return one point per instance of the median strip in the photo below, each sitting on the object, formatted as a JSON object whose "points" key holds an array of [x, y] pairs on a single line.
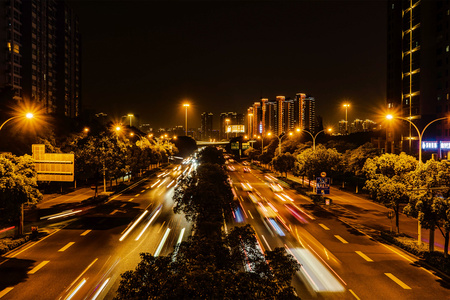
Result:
{"points": [[397, 281], [341, 239], [364, 256], [35, 269], [66, 246]]}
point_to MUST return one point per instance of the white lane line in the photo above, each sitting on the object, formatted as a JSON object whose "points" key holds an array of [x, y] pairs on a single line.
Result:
{"points": [[66, 246], [5, 291], [267, 244], [251, 214], [163, 241], [131, 199], [354, 295], [79, 276], [100, 289], [86, 232], [324, 227], [341, 239], [137, 195], [35, 269], [397, 281], [113, 212], [364, 256]]}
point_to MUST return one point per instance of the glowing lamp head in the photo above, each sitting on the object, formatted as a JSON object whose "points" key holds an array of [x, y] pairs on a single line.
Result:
{"points": [[131, 133], [298, 130], [86, 129], [186, 105], [290, 133], [118, 128], [330, 129], [389, 117], [29, 115], [269, 133]]}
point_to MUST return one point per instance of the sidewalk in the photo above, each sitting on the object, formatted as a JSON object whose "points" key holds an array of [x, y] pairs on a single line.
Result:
{"points": [[371, 216]]}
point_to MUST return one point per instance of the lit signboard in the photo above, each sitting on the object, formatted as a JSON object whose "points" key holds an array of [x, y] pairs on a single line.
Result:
{"points": [[445, 145], [235, 128], [53, 166], [429, 145]]}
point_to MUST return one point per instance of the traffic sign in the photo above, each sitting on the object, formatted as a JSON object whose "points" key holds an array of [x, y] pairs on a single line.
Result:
{"points": [[234, 146], [323, 185]]}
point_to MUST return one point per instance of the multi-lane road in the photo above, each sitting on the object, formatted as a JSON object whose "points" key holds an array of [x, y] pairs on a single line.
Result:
{"points": [[338, 262], [85, 254]]}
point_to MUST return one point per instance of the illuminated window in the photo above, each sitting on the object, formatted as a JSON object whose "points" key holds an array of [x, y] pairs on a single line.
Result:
{"points": [[447, 49]]}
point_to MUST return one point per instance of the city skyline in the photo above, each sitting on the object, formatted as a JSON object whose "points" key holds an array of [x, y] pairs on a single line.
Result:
{"points": [[220, 56]]}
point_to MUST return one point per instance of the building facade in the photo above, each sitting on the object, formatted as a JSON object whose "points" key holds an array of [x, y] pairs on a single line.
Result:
{"points": [[417, 70], [42, 57], [207, 126]]}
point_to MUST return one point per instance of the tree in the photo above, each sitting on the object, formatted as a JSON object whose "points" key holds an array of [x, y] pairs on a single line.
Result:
{"points": [[389, 178], [18, 185], [311, 163], [252, 153], [429, 201], [211, 155], [356, 158], [284, 163], [205, 198]]}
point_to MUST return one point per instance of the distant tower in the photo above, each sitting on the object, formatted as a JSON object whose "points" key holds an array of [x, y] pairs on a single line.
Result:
{"points": [[309, 114], [279, 115], [207, 126]]}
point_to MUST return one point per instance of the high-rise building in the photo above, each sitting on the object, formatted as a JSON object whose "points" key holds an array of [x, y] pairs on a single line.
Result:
{"points": [[279, 115], [42, 57], [207, 126], [309, 114], [288, 115], [298, 110], [418, 68]]}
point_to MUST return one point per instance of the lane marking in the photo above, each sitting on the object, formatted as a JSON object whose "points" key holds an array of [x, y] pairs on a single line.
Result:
{"points": [[251, 214], [324, 227], [354, 295], [79, 276], [137, 195], [341, 239], [131, 199], [364, 256], [115, 197], [5, 291], [35, 269], [86, 232], [113, 212], [123, 205], [397, 281], [66, 246], [142, 191], [162, 225], [393, 250]]}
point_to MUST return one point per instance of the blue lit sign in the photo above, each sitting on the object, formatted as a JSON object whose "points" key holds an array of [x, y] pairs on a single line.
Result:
{"points": [[260, 128], [445, 144], [429, 145]]}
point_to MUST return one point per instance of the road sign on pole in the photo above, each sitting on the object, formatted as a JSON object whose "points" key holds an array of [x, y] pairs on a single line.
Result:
{"points": [[323, 185]]}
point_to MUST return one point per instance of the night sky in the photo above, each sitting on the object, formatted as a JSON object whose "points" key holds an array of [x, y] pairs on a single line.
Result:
{"points": [[148, 57]]}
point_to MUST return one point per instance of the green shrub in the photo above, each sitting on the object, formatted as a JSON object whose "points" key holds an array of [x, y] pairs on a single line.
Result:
{"points": [[8, 244]]}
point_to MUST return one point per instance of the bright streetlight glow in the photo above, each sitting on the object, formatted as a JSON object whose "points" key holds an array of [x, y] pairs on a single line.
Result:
{"points": [[27, 115], [346, 105], [131, 116]]}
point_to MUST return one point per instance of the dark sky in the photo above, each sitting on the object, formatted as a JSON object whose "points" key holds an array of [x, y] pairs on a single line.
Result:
{"points": [[148, 57]]}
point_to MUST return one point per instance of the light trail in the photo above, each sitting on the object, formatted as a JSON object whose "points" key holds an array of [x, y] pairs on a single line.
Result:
{"points": [[76, 289], [153, 185], [161, 244], [149, 222], [100, 289], [132, 226]]}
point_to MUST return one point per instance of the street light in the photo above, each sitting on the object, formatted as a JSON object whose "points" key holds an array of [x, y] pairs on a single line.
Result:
{"points": [[279, 139], [315, 136], [346, 105], [186, 105], [27, 115], [420, 134], [227, 121]]}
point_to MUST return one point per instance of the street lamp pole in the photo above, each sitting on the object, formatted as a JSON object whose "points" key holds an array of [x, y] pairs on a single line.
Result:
{"points": [[226, 129], [131, 116], [315, 136], [186, 105], [28, 116]]}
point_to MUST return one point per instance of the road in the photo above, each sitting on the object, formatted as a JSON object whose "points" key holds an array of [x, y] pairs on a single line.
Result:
{"points": [[339, 262], [84, 257]]}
